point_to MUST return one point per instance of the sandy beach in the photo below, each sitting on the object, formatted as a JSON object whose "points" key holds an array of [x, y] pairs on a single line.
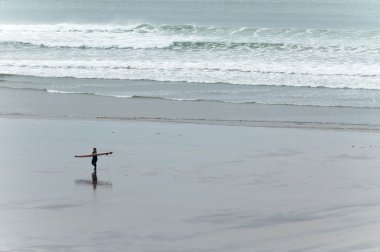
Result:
{"points": [[187, 187]]}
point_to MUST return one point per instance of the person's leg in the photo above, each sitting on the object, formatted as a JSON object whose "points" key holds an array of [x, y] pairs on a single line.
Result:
{"points": [[94, 164], [94, 175]]}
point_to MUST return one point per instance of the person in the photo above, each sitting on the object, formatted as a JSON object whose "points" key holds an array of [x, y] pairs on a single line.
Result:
{"points": [[94, 158], [93, 162]]}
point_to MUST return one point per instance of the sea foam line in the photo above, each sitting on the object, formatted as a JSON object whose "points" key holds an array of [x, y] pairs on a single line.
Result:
{"points": [[183, 36], [167, 98], [201, 45]]}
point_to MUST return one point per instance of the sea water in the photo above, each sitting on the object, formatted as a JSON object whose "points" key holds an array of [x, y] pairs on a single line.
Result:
{"points": [[300, 52]]}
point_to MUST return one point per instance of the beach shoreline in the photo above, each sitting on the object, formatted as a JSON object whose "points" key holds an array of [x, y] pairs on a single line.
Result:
{"points": [[39, 103]]}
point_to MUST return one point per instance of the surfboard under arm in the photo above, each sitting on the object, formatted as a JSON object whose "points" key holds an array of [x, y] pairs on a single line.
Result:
{"points": [[97, 154]]}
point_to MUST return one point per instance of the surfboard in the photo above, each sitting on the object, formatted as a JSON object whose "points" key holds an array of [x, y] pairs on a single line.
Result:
{"points": [[92, 155]]}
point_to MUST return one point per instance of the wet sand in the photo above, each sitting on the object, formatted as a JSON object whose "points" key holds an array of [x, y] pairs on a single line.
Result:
{"points": [[187, 187]]}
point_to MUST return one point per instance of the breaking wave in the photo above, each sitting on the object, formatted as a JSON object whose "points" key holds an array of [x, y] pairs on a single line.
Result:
{"points": [[190, 53]]}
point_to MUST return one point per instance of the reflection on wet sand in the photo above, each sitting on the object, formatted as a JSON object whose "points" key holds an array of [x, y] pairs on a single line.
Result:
{"points": [[94, 182]]}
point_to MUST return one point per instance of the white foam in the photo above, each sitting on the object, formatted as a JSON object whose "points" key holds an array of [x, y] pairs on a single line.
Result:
{"points": [[61, 92], [246, 73], [235, 55]]}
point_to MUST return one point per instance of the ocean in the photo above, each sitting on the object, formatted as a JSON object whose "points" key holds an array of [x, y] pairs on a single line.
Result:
{"points": [[300, 52]]}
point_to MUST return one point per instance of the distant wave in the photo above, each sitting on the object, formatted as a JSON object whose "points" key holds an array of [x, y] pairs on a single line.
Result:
{"points": [[180, 28], [18, 44], [190, 53], [186, 45], [204, 100], [185, 37], [300, 72], [178, 99]]}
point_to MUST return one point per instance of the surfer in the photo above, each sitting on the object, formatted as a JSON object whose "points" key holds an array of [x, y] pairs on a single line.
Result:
{"points": [[93, 162], [94, 158], [94, 155]]}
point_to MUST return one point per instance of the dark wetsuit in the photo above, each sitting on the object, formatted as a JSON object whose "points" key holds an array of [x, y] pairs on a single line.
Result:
{"points": [[94, 160]]}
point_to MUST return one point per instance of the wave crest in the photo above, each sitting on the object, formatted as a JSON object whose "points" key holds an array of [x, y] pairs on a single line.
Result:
{"points": [[183, 36]]}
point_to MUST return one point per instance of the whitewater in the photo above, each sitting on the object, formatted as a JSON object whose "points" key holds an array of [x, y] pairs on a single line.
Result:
{"points": [[274, 52], [234, 55]]}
